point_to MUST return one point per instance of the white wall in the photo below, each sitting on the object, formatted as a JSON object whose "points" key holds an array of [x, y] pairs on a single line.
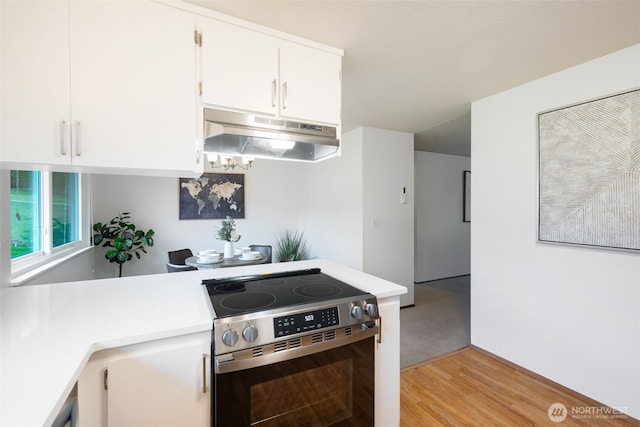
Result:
{"points": [[388, 239], [79, 267], [443, 240], [333, 214], [570, 314]]}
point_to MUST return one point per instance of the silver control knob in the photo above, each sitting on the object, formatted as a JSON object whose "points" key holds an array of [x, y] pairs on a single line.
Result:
{"points": [[250, 333], [357, 312], [371, 310], [230, 337]]}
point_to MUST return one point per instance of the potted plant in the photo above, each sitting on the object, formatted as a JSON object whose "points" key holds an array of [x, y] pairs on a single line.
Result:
{"points": [[227, 232], [123, 238], [290, 246]]}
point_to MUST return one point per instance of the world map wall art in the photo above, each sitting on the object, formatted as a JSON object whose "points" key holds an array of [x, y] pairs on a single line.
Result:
{"points": [[212, 196], [589, 173]]}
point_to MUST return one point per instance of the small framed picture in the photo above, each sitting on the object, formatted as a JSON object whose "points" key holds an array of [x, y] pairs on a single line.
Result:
{"points": [[212, 196]]}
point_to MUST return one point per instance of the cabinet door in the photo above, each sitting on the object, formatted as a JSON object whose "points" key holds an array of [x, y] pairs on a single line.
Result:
{"points": [[133, 85], [35, 82], [239, 68], [310, 84], [160, 388]]}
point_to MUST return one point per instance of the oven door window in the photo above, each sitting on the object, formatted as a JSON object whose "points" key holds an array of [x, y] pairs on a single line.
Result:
{"points": [[333, 387]]}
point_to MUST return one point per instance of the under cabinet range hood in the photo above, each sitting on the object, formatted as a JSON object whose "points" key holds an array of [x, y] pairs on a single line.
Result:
{"points": [[229, 133]]}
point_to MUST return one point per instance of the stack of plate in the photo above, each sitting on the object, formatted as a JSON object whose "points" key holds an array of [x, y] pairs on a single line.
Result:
{"points": [[209, 256], [251, 255]]}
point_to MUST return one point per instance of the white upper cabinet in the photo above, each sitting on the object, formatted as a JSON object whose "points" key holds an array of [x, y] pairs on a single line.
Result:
{"points": [[133, 85], [310, 83], [35, 82], [100, 84], [239, 68], [246, 70]]}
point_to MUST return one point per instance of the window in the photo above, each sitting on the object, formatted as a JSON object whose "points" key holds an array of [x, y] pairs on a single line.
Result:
{"points": [[45, 216]]}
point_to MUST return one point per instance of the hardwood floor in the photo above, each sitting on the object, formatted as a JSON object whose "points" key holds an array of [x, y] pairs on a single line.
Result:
{"points": [[471, 388]]}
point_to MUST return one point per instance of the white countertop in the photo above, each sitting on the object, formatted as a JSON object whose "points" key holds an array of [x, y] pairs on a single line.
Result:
{"points": [[48, 332]]}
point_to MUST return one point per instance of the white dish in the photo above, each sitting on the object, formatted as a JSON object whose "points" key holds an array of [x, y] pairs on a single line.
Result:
{"points": [[207, 252], [209, 260], [250, 256]]}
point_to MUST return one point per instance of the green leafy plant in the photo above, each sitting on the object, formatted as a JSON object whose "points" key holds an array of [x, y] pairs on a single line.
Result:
{"points": [[124, 239], [290, 246], [227, 231]]}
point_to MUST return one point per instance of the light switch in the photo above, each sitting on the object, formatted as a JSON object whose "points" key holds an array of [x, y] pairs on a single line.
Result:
{"points": [[403, 196]]}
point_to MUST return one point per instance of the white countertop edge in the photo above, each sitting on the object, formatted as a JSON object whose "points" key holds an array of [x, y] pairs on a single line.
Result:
{"points": [[138, 339]]}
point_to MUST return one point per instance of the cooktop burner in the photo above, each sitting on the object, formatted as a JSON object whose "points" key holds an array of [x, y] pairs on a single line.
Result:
{"points": [[247, 294], [247, 301]]}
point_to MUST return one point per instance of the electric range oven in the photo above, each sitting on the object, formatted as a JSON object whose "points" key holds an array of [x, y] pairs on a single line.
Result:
{"points": [[292, 349]]}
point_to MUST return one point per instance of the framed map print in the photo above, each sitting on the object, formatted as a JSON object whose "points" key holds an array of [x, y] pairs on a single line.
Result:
{"points": [[212, 196]]}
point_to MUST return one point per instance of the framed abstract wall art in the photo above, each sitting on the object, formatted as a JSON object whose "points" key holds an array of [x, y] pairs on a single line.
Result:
{"points": [[589, 173], [212, 196]]}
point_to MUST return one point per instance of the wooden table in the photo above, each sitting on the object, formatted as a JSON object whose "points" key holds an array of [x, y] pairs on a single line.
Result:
{"points": [[226, 262]]}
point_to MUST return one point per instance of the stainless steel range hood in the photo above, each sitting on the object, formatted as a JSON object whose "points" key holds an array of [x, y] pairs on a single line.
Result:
{"points": [[247, 135]]}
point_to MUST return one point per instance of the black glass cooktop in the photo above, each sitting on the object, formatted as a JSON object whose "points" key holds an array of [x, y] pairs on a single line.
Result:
{"points": [[248, 294]]}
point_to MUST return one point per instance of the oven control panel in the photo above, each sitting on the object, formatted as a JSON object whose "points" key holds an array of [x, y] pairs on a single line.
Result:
{"points": [[238, 333], [304, 322]]}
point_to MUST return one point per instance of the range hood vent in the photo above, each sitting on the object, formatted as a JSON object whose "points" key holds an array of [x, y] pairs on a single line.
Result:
{"points": [[247, 135]]}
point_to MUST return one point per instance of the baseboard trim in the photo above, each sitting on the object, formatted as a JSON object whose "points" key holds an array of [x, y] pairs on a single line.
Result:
{"points": [[426, 362], [443, 278]]}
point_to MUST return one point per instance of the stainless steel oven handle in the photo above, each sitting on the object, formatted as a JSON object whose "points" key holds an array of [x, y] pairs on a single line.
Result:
{"points": [[225, 363]]}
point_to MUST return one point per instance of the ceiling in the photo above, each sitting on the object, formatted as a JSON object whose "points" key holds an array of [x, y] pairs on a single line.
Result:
{"points": [[416, 66]]}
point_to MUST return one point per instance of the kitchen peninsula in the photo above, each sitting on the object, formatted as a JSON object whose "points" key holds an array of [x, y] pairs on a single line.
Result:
{"points": [[50, 332]]}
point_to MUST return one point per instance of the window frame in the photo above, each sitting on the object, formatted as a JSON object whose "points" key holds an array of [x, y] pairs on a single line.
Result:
{"points": [[27, 266]]}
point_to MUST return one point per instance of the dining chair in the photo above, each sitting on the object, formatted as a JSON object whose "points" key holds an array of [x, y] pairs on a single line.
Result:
{"points": [[178, 257], [175, 268], [264, 250]]}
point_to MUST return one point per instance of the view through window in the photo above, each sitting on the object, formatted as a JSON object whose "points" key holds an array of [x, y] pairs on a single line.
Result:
{"points": [[39, 202], [26, 213]]}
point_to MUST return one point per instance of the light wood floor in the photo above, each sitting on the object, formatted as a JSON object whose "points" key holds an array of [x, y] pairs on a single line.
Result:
{"points": [[471, 388]]}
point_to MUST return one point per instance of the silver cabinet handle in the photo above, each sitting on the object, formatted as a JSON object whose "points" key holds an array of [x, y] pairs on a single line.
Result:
{"points": [[284, 95], [62, 142], [273, 93], [77, 138], [204, 373]]}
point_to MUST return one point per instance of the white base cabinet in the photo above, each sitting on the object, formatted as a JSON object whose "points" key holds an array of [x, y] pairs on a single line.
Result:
{"points": [[154, 384], [99, 85]]}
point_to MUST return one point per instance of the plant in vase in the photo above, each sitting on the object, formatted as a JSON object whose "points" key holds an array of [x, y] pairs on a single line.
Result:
{"points": [[123, 239], [227, 232], [290, 246]]}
